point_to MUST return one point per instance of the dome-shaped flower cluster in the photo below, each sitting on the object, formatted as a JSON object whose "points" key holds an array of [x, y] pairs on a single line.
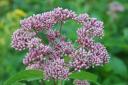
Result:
{"points": [[50, 57], [21, 38]]}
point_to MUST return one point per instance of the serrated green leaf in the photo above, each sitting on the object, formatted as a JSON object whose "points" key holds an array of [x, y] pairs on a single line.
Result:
{"points": [[28, 75]]}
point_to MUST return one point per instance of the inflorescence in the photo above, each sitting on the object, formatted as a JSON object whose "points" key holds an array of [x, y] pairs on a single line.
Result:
{"points": [[51, 57]]}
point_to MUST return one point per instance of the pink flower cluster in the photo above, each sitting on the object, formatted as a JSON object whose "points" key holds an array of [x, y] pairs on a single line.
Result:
{"points": [[116, 7], [21, 38], [50, 57], [46, 20], [81, 82], [56, 69]]}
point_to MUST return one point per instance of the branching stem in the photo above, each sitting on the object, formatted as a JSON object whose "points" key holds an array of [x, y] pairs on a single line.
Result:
{"points": [[38, 36], [61, 24]]}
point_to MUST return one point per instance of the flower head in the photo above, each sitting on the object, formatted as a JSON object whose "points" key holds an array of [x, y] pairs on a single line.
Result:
{"points": [[116, 7], [56, 69], [37, 54], [53, 35], [81, 82], [65, 47], [21, 38], [80, 59], [99, 55]]}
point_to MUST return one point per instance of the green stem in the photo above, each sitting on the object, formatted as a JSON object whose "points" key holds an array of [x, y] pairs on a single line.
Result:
{"points": [[61, 82], [61, 24], [38, 36], [42, 82], [55, 82]]}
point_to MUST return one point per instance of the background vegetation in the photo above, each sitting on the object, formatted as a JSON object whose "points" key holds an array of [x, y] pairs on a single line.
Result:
{"points": [[115, 39]]}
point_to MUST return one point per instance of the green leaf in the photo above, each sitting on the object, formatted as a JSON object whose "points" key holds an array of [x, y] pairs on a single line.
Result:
{"points": [[28, 75], [120, 83], [49, 82], [118, 66], [82, 75], [67, 58], [18, 83], [125, 32]]}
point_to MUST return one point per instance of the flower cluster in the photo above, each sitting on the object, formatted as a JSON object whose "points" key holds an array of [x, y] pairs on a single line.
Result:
{"points": [[56, 69], [50, 57], [46, 20], [80, 59], [81, 82], [114, 8], [21, 38], [37, 54], [65, 47]]}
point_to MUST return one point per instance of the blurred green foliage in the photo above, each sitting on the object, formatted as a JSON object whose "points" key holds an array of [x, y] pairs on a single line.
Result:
{"points": [[115, 39]]}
